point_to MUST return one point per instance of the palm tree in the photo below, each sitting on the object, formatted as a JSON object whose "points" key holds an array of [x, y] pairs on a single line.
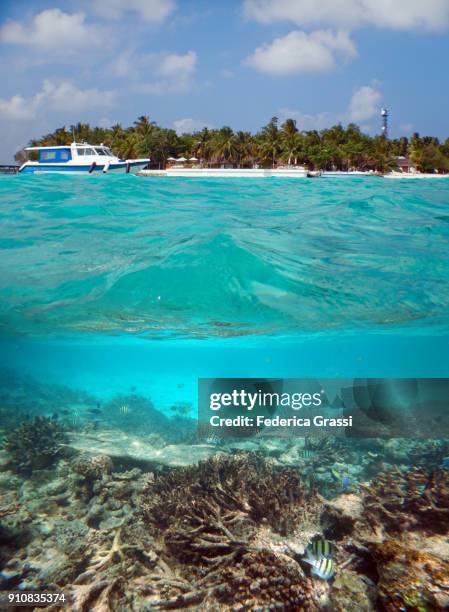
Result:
{"points": [[143, 126], [270, 141], [224, 145], [203, 144], [289, 140], [244, 147]]}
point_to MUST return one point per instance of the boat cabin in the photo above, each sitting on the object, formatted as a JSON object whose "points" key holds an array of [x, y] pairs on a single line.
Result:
{"points": [[61, 154]]}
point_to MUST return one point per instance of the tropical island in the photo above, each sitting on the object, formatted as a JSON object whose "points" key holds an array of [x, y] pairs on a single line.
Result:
{"points": [[335, 148]]}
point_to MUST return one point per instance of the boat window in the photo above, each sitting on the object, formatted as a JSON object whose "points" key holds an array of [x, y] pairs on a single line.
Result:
{"points": [[108, 151], [48, 155], [54, 155], [100, 151], [89, 152], [81, 151]]}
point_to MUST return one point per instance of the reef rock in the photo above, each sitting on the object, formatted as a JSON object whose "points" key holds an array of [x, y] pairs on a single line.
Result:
{"points": [[340, 515], [410, 579], [127, 450], [352, 592]]}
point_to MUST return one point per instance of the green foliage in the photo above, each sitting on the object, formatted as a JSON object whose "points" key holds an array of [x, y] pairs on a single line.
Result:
{"points": [[335, 148], [35, 444]]}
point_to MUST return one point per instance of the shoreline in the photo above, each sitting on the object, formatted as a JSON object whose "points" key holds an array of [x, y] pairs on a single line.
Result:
{"points": [[296, 173]]}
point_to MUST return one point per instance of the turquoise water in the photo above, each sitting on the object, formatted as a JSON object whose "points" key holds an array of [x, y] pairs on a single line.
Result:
{"points": [[112, 282]]}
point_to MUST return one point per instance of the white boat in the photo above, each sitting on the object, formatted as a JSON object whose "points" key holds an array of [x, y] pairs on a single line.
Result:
{"points": [[79, 159]]}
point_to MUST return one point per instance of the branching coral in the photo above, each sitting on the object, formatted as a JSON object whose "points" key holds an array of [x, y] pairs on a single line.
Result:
{"points": [[209, 515], [401, 500], [115, 554], [245, 483], [35, 444]]}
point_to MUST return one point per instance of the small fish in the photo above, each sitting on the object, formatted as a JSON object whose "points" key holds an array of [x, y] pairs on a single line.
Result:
{"points": [[321, 548], [181, 408], [214, 440], [124, 409], [307, 453], [74, 418], [95, 411], [445, 463], [346, 483], [323, 567]]}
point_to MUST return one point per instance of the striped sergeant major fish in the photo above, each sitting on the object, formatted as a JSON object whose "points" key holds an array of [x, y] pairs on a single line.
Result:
{"points": [[319, 554], [321, 548], [324, 567]]}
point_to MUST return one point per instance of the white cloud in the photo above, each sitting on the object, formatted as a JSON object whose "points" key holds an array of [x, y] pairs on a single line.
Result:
{"points": [[365, 103], [52, 29], [190, 125], [175, 66], [67, 97], [61, 98], [154, 11], [306, 121], [302, 52], [124, 64], [175, 71], [405, 15], [16, 107]]}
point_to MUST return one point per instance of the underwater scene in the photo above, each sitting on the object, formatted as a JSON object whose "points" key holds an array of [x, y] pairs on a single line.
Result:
{"points": [[118, 293]]}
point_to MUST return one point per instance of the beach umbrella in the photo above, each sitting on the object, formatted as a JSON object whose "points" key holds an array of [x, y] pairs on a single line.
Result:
{"points": [[193, 158], [171, 158], [181, 159]]}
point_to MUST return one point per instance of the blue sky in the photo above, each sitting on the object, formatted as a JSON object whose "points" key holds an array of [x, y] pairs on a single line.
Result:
{"points": [[190, 63]]}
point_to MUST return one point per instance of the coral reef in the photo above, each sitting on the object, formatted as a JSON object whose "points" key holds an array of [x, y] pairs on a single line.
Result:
{"points": [[123, 516], [410, 579], [211, 515], [245, 483], [353, 592], [403, 500], [92, 468], [35, 444]]}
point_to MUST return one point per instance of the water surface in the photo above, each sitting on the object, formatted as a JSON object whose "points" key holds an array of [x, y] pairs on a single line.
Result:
{"points": [[109, 282]]}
